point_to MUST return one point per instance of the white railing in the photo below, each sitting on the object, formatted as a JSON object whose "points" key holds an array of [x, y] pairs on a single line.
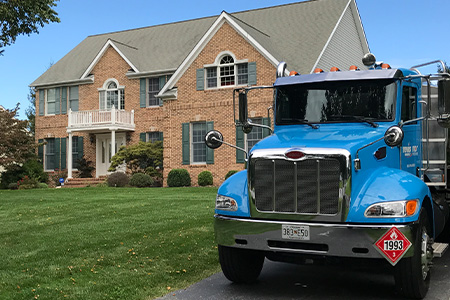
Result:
{"points": [[94, 118]]}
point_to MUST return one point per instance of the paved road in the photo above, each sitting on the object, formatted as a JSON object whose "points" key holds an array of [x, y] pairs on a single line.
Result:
{"points": [[286, 281]]}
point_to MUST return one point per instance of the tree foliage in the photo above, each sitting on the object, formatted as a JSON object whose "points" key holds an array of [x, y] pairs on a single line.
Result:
{"points": [[440, 70], [24, 17], [30, 112], [16, 143]]}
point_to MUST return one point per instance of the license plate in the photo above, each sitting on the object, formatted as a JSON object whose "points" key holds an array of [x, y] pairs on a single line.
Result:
{"points": [[295, 232]]}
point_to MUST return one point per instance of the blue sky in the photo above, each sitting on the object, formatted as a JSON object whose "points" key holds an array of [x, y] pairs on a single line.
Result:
{"points": [[400, 32]]}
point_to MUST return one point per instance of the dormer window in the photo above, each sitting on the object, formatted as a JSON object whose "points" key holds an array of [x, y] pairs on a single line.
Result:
{"points": [[112, 95], [227, 72]]}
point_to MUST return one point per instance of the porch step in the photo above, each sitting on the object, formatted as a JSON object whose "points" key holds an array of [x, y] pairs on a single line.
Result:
{"points": [[83, 182], [439, 249]]}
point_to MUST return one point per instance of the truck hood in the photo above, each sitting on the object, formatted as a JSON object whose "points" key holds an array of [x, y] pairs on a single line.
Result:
{"points": [[350, 136]]}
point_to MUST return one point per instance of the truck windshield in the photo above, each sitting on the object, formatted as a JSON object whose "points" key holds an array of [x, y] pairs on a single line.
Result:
{"points": [[338, 101]]}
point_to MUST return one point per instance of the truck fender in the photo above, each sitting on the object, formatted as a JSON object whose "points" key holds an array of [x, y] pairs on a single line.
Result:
{"points": [[236, 187], [388, 184]]}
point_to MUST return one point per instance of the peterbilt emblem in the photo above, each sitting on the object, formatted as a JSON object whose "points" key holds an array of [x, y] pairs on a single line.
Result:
{"points": [[294, 154]]}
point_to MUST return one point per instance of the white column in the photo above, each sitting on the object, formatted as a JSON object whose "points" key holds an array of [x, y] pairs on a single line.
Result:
{"points": [[113, 142], [69, 157]]}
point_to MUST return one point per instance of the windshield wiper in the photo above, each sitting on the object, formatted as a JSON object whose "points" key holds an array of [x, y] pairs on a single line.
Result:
{"points": [[356, 118], [301, 121]]}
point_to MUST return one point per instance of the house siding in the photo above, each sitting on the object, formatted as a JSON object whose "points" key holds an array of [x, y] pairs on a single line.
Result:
{"points": [[345, 47]]}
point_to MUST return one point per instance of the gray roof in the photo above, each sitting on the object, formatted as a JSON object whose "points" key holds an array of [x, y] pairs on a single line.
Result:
{"points": [[295, 33]]}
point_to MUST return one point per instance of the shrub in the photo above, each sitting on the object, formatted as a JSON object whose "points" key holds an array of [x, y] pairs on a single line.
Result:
{"points": [[205, 178], [12, 174], [85, 167], [178, 177], [13, 186], [138, 157], [56, 175], [42, 185], [232, 172], [33, 169], [27, 183], [117, 179], [141, 180]]}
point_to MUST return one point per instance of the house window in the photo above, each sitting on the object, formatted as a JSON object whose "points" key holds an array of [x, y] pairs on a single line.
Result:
{"points": [[153, 136], [73, 98], [75, 152], [153, 90], [227, 72], [112, 95], [198, 143], [51, 101], [50, 157], [255, 135]]}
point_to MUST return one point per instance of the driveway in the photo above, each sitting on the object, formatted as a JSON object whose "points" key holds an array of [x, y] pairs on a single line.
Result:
{"points": [[344, 281]]}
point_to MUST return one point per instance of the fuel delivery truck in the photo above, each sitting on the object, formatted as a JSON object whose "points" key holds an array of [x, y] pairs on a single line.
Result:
{"points": [[355, 167]]}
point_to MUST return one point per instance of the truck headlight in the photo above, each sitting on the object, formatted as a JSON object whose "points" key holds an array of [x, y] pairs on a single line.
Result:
{"points": [[393, 209], [226, 203]]}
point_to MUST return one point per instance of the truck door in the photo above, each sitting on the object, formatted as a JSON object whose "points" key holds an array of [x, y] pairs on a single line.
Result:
{"points": [[411, 149]]}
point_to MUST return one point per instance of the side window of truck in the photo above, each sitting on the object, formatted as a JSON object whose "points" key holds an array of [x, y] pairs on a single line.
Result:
{"points": [[409, 106]]}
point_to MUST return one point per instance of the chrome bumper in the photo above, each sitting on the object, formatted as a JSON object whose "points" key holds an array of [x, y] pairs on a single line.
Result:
{"points": [[341, 240]]}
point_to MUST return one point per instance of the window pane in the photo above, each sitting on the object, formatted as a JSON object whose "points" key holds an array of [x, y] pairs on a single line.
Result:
{"points": [[255, 135], [153, 90], [75, 152], [226, 75], [122, 99], [227, 60], [153, 136], [112, 85], [211, 77], [242, 73], [198, 144], [51, 101], [50, 154]]}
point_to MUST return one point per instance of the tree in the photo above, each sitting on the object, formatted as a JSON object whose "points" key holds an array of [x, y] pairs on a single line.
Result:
{"points": [[31, 111], [24, 17], [16, 143], [447, 69]]}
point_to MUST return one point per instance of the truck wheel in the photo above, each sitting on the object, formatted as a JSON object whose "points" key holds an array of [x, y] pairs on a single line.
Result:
{"points": [[241, 265], [412, 274]]}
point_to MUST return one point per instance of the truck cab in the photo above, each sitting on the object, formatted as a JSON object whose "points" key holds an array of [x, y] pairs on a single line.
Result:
{"points": [[353, 169]]}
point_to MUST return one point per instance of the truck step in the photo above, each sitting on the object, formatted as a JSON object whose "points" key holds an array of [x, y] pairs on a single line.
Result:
{"points": [[439, 249]]}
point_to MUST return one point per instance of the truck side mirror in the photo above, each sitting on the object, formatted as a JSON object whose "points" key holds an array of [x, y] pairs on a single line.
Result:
{"points": [[243, 116], [393, 137], [213, 139], [444, 103]]}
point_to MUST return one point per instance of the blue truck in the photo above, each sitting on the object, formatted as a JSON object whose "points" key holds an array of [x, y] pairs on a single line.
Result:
{"points": [[355, 167]]}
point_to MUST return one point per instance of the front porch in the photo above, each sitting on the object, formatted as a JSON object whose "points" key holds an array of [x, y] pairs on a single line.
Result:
{"points": [[108, 129]]}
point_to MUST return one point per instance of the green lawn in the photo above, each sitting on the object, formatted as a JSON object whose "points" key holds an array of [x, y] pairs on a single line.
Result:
{"points": [[105, 243]]}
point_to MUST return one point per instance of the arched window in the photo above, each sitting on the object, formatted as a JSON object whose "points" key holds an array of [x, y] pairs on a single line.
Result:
{"points": [[226, 72], [112, 95]]}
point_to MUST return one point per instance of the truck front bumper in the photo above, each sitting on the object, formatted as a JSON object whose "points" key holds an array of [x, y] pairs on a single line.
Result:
{"points": [[340, 240]]}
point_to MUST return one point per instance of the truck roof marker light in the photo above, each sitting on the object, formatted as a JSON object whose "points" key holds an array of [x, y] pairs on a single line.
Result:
{"points": [[354, 68], [318, 70], [385, 66], [334, 69], [293, 73], [294, 154]]}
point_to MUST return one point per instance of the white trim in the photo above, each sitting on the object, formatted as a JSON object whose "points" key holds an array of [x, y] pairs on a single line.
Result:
{"points": [[224, 17], [100, 55], [64, 83], [330, 37]]}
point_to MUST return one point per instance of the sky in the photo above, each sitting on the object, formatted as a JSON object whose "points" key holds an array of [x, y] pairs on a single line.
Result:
{"points": [[402, 33]]}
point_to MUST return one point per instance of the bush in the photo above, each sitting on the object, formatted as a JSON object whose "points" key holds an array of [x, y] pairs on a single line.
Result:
{"points": [[141, 180], [27, 183], [13, 186], [178, 177], [205, 178], [118, 179], [42, 185], [85, 167], [33, 169], [232, 172], [56, 175]]}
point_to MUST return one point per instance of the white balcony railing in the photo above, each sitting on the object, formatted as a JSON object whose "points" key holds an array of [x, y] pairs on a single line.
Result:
{"points": [[99, 118]]}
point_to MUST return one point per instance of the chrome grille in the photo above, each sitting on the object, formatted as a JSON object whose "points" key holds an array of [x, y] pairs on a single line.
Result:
{"points": [[306, 187]]}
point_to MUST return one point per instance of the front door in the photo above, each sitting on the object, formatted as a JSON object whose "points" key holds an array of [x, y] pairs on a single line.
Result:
{"points": [[104, 151]]}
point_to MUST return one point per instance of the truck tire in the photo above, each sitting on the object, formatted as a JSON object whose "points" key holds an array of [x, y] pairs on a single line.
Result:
{"points": [[241, 265], [412, 274]]}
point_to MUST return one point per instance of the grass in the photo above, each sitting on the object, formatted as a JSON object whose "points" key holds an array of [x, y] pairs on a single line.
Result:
{"points": [[105, 243]]}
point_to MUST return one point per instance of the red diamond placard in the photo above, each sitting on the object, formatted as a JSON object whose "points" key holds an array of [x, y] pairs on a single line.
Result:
{"points": [[393, 245]]}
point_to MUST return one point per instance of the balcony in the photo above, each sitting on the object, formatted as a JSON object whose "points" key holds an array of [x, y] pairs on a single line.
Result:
{"points": [[100, 120]]}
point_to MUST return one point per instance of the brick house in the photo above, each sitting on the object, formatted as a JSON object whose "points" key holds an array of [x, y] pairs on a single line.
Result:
{"points": [[174, 82]]}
